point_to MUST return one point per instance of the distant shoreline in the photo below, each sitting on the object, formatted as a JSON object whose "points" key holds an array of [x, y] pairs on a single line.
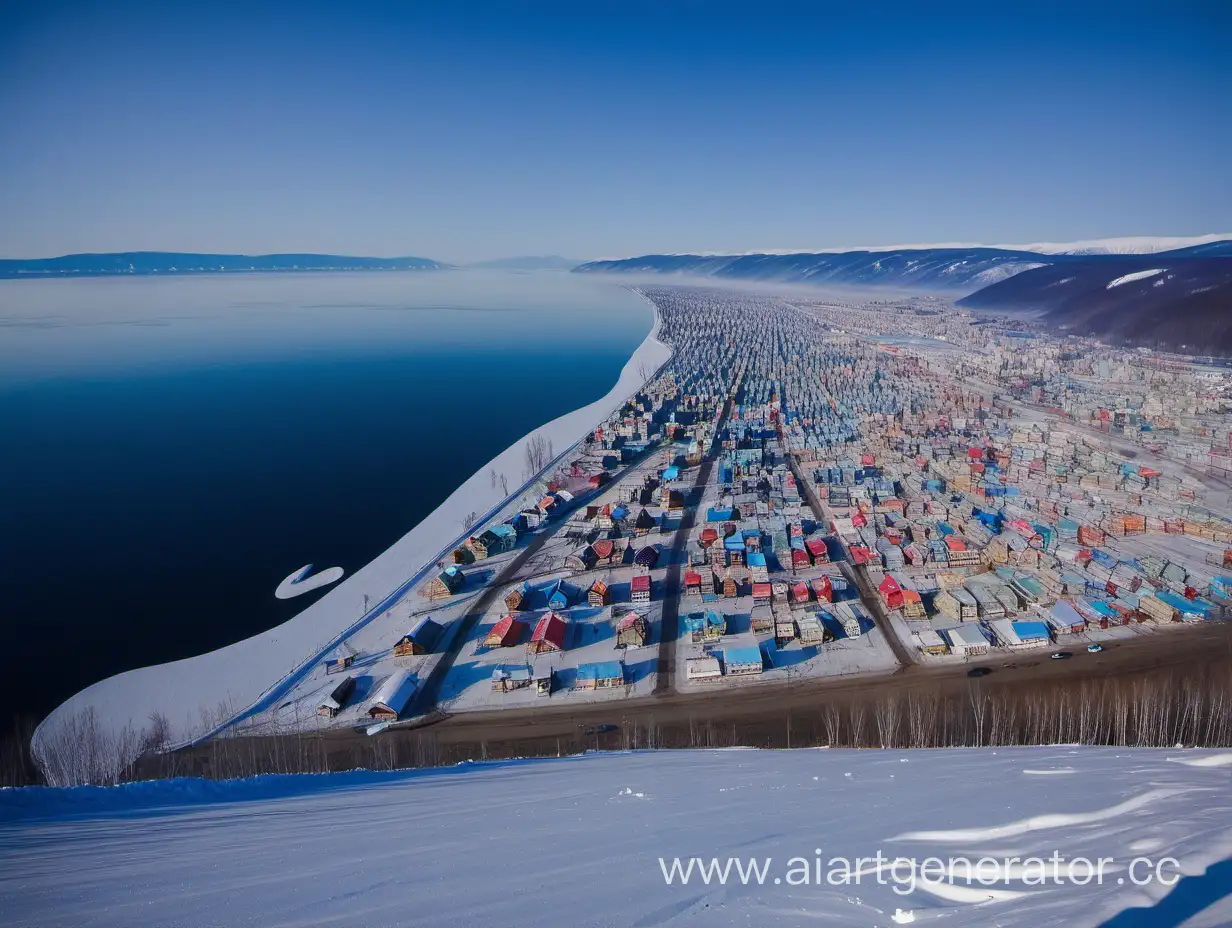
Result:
{"points": [[179, 264]]}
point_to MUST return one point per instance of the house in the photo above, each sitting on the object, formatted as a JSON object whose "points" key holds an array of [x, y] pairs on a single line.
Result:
{"points": [[582, 559], [738, 662], [891, 592], [1032, 634], [518, 598], [332, 704], [930, 642], [823, 589], [967, 640], [607, 552], [342, 659], [464, 555], [448, 582], [507, 632], [800, 593], [761, 620], [1065, 619], [692, 583], [549, 634], [645, 523], [493, 541], [957, 604], [639, 588], [559, 595], [705, 627], [647, 557], [761, 594], [848, 615], [392, 696], [420, 640], [597, 594], [810, 630], [817, 550], [507, 678], [702, 669], [599, 676], [632, 630], [730, 587]]}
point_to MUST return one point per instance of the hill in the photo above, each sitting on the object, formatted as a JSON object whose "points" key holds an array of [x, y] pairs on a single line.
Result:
{"points": [[1171, 300], [589, 841], [172, 262]]}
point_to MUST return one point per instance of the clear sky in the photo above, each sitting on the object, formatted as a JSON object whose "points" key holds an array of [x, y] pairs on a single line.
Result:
{"points": [[463, 131]]}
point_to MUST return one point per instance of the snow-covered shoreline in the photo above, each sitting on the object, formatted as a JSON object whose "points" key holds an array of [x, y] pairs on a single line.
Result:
{"points": [[200, 695]]}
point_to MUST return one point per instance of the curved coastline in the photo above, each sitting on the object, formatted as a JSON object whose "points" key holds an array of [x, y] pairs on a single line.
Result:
{"points": [[202, 695]]}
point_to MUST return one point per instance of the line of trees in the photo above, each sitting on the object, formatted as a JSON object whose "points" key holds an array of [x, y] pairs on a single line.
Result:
{"points": [[1158, 709]]}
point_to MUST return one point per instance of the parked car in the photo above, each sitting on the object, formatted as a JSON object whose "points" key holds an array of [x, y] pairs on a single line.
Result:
{"points": [[978, 672], [1095, 648], [1060, 655]]}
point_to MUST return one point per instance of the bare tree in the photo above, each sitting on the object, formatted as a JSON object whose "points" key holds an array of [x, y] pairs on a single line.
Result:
{"points": [[470, 520], [537, 454]]}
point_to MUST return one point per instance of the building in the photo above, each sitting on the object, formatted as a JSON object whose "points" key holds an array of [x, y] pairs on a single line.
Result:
{"points": [[392, 696], [810, 630], [930, 642], [507, 678], [597, 595], [599, 676], [632, 630], [705, 627], [420, 640], [332, 704], [506, 633], [967, 640], [448, 582], [702, 669], [639, 588], [744, 661], [549, 634]]}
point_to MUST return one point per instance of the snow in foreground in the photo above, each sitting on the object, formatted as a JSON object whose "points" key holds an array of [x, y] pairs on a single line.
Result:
{"points": [[578, 842]]}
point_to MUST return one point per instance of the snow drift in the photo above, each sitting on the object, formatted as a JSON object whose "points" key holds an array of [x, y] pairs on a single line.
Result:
{"points": [[605, 840]]}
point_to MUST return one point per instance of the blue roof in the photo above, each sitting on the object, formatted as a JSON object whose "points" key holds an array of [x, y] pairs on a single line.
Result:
{"points": [[1181, 604], [503, 529], [1031, 630], [696, 621], [1098, 605], [718, 515], [671, 473], [745, 655], [756, 559], [601, 670], [734, 543]]}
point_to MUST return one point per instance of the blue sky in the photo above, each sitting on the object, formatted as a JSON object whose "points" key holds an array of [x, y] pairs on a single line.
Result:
{"points": [[464, 131]]}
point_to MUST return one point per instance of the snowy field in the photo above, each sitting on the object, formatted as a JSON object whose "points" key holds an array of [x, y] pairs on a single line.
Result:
{"points": [[254, 675], [579, 842]]}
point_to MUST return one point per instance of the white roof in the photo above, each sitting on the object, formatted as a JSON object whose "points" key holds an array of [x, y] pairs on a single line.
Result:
{"points": [[966, 636], [929, 638], [703, 667], [396, 691], [1004, 630]]}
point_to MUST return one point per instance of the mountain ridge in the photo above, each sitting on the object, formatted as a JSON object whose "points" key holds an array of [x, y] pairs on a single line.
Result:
{"points": [[105, 264]]}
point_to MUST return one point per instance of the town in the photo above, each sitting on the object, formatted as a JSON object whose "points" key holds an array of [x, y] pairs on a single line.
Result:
{"points": [[816, 488]]}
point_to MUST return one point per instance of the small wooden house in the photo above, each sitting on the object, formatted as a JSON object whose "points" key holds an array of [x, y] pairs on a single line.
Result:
{"points": [[731, 588], [810, 630], [597, 595], [632, 630], [692, 583], [647, 557], [518, 598], [761, 594], [761, 620], [341, 660], [393, 696], [549, 634], [507, 632], [448, 582], [582, 560], [463, 555], [705, 627], [332, 704], [421, 639]]}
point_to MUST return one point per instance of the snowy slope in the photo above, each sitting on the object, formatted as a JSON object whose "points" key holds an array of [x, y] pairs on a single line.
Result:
{"points": [[578, 841]]}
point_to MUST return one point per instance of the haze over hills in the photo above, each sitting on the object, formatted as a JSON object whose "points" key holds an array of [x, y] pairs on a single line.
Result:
{"points": [[173, 262], [528, 263]]}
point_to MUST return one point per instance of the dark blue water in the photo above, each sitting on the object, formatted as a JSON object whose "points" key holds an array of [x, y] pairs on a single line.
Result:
{"points": [[162, 472]]}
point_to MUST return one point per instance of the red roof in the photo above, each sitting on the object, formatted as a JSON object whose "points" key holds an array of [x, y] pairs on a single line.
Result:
{"points": [[761, 589], [692, 578], [604, 548], [550, 631], [799, 558], [816, 546], [507, 631], [709, 536], [975, 453], [800, 591], [889, 585], [954, 543], [640, 582]]}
